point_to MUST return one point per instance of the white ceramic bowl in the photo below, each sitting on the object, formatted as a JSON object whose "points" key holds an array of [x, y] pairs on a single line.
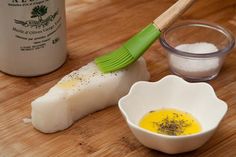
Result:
{"points": [[198, 99]]}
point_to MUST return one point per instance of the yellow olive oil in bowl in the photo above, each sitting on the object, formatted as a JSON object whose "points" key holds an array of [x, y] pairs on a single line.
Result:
{"points": [[156, 113], [170, 122]]}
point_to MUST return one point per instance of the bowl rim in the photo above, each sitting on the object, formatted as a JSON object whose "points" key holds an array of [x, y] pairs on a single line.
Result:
{"points": [[163, 135], [199, 23]]}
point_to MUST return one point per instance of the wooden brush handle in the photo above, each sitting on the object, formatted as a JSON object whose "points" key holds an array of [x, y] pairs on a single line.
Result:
{"points": [[170, 15]]}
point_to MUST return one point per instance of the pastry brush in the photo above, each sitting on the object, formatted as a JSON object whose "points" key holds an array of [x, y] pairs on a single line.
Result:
{"points": [[135, 47]]}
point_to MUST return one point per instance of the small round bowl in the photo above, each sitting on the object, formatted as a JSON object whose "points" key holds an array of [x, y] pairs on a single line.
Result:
{"points": [[198, 99], [201, 66]]}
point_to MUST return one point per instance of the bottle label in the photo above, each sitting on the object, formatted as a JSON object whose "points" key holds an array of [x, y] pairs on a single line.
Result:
{"points": [[36, 27]]}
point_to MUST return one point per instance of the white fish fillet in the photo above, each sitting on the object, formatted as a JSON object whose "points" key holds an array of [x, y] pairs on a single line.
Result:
{"points": [[82, 92]]}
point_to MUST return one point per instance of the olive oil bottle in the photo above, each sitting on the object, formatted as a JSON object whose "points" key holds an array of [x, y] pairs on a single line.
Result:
{"points": [[32, 36]]}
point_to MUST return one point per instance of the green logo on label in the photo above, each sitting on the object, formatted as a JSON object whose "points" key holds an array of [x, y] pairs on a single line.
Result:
{"points": [[38, 12]]}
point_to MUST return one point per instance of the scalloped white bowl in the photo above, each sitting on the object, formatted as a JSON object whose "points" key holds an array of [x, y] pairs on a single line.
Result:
{"points": [[198, 99]]}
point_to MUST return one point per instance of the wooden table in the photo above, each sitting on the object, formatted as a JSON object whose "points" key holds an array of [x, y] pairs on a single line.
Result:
{"points": [[95, 27]]}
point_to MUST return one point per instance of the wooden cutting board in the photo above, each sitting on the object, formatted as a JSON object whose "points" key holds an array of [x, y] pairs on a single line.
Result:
{"points": [[96, 27]]}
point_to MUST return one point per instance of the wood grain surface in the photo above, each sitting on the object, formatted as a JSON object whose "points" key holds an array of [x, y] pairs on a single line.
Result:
{"points": [[96, 27]]}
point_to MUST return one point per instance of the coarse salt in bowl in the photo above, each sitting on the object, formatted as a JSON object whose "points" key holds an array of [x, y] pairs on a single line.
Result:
{"points": [[196, 49]]}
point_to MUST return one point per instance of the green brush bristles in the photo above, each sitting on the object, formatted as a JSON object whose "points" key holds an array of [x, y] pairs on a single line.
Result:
{"points": [[115, 60], [129, 52]]}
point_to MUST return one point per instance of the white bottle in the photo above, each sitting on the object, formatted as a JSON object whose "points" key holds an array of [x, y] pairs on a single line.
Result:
{"points": [[32, 36]]}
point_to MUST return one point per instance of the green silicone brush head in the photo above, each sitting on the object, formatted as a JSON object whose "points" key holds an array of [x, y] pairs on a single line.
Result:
{"points": [[129, 52]]}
